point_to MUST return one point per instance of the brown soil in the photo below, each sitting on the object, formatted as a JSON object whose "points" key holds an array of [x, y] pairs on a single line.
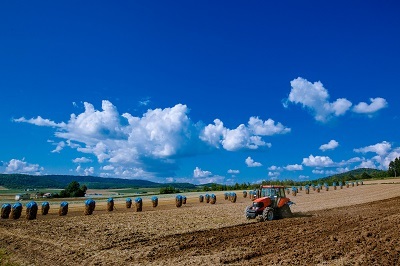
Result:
{"points": [[201, 233]]}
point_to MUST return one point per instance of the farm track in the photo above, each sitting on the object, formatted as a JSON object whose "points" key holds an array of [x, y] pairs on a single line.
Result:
{"points": [[360, 233]]}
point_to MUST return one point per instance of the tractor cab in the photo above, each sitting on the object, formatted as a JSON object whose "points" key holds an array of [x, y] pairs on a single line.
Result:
{"points": [[272, 192]]}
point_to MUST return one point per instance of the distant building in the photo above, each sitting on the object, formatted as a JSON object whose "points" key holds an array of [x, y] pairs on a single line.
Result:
{"points": [[24, 196]]}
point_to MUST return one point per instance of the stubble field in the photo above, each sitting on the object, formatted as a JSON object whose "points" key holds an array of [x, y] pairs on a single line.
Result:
{"points": [[351, 226]]}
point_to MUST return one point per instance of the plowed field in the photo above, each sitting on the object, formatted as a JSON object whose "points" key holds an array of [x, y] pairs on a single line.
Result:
{"points": [[353, 226]]}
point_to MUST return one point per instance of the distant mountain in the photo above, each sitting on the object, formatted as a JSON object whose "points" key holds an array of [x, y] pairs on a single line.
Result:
{"points": [[93, 182]]}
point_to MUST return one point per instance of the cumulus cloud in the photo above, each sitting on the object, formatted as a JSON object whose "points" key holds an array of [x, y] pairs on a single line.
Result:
{"points": [[385, 153], [318, 161], [231, 171], [266, 128], [15, 166], [242, 137], [274, 168], [60, 146], [315, 98], [82, 160], [318, 171], [273, 175], [149, 145], [251, 163], [39, 121], [294, 167], [85, 171], [380, 148], [375, 105], [331, 145], [205, 177]]}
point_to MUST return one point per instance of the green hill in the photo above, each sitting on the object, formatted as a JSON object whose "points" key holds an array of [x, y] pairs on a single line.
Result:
{"points": [[21, 181]]}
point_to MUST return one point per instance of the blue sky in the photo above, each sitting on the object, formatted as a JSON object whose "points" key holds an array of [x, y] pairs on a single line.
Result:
{"points": [[199, 92]]}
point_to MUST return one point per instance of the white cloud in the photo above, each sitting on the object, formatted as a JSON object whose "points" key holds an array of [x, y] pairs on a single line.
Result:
{"points": [[376, 105], [294, 167], [273, 175], [82, 160], [85, 171], [380, 148], [15, 166], [39, 121], [204, 177], [318, 161], [148, 145], [367, 164], [318, 172], [274, 168], [266, 128], [60, 146], [231, 171], [251, 163], [231, 139], [331, 145], [198, 173], [243, 137], [108, 168], [304, 177], [316, 98]]}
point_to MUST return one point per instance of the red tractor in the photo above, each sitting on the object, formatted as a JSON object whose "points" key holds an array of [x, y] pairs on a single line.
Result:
{"points": [[271, 203]]}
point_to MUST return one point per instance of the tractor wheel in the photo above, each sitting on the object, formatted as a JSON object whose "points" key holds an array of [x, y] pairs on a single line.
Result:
{"points": [[285, 211], [245, 213], [268, 215]]}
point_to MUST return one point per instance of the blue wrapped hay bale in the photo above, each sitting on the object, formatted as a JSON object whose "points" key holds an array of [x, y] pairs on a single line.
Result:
{"points": [[207, 198], [233, 197], [154, 201], [201, 198], [110, 204], [294, 191], [178, 201], [63, 210], [307, 189], [90, 205], [16, 210], [244, 194], [138, 204], [5, 210], [45, 208], [226, 195], [31, 210], [128, 203], [184, 199], [213, 199]]}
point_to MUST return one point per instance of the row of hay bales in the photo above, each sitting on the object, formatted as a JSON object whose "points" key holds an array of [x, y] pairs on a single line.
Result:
{"points": [[212, 199], [180, 200], [325, 186], [231, 196], [15, 211]]}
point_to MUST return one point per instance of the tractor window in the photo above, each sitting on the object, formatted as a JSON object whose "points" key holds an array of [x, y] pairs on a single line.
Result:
{"points": [[272, 192]]}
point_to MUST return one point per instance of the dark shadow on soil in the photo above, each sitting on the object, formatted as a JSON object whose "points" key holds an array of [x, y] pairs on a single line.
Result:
{"points": [[301, 214]]}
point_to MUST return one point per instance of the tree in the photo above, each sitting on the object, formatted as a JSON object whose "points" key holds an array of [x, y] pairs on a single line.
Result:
{"points": [[73, 190], [394, 167]]}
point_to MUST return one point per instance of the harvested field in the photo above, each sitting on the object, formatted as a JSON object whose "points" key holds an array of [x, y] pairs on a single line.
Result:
{"points": [[349, 226]]}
